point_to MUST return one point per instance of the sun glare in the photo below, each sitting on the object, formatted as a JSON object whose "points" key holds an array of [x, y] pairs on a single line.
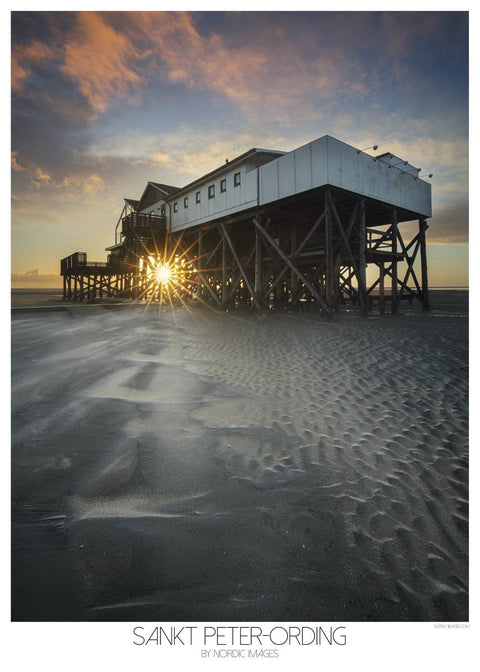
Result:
{"points": [[162, 273], [165, 279]]}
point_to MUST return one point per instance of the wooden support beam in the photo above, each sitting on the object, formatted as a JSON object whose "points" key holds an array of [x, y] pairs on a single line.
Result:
{"points": [[293, 254], [258, 265], [316, 277], [347, 285], [240, 267], [224, 272], [362, 264], [410, 269], [208, 259], [199, 265], [423, 226], [394, 262], [328, 250], [388, 270], [294, 257], [382, 288], [362, 290], [202, 280], [384, 237], [234, 281], [348, 232], [236, 276], [283, 256]]}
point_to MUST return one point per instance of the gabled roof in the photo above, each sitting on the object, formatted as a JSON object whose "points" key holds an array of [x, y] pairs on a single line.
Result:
{"points": [[132, 201], [165, 187], [153, 192]]}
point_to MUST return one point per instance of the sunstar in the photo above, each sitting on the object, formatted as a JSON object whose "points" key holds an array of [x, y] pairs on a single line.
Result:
{"points": [[162, 274]]}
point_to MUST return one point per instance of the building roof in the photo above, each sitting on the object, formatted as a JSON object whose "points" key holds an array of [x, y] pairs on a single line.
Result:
{"points": [[228, 165], [165, 187], [148, 198], [132, 201]]}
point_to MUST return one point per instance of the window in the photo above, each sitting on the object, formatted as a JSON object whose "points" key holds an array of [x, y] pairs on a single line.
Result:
{"points": [[236, 179], [197, 197], [175, 207], [185, 202], [223, 185], [163, 210], [211, 191]]}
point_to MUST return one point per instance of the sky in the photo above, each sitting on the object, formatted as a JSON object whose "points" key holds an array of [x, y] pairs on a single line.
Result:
{"points": [[103, 102]]}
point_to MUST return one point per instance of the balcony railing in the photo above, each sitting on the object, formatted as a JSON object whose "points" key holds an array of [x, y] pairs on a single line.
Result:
{"points": [[78, 262], [73, 262], [135, 221]]}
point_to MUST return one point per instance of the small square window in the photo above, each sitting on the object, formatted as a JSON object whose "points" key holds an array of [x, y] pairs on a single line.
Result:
{"points": [[236, 179], [211, 191], [185, 202], [197, 197], [223, 185], [175, 207]]}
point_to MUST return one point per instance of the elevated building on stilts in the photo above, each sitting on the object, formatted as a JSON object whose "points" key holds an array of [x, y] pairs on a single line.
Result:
{"points": [[314, 229]]}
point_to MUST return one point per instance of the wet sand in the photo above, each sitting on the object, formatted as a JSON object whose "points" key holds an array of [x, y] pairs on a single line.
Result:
{"points": [[213, 467]]}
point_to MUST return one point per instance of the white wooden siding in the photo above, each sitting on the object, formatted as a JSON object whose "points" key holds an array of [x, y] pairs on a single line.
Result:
{"points": [[233, 200], [328, 161], [325, 161]]}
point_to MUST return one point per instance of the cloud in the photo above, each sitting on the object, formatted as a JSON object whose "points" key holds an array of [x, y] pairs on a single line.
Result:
{"points": [[102, 61], [112, 56], [449, 224], [24, 56], [282, 67], [35, 272], [15, 165], [36, 278], [89, 184], [268, 71], [184, 154], [403, 31], [19, 75]]}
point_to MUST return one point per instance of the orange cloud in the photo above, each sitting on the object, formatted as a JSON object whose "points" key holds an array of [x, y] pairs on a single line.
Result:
{"points": [[41, 177], [109, 55], [101, 60], [18, 168], [89, 184], [19, 74], [270, 73], [24, 55]]}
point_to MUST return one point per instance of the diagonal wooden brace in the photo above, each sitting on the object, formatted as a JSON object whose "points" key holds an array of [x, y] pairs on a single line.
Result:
{"points": [[240, 267], [292, 267]]}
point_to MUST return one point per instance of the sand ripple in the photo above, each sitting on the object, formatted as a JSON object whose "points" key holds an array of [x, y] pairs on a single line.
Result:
{"points": [[278, 467]]}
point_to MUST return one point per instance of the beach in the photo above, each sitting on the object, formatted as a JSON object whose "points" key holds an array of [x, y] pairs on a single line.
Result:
{"points": [[191, 465]]}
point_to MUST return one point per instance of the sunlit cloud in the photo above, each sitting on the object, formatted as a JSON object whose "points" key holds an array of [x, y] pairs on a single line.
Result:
{"points": [[102, 61], [185, 152], [17, 167], [40, 179], [109, 60], [23, 56], [19, 74], [270, 73]]}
